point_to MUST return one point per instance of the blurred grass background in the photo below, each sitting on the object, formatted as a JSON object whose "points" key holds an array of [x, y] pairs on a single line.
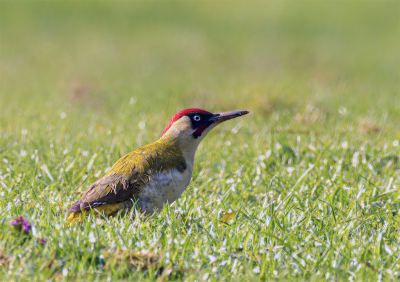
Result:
{"points": [[86, 82], [89, 60], [168, 56]]}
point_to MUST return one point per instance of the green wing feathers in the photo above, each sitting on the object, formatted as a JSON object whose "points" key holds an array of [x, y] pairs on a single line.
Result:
{"points": [[128, 176]]}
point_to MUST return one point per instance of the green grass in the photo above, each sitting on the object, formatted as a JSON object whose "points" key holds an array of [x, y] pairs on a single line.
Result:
{"points": [[311, 176]]}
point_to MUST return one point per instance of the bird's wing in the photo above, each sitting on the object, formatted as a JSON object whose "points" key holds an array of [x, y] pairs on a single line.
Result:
{"points": [[130, 174]]}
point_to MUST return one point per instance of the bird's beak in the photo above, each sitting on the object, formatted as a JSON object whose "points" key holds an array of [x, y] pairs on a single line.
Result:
{"points": [[221, 117]]}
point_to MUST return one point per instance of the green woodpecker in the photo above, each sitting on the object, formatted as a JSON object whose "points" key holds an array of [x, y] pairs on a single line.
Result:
{"points": [[155, 174]]}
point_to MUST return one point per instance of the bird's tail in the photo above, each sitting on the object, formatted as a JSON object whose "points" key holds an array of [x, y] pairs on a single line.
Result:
{"points": [[105, 210], [75, 217]]}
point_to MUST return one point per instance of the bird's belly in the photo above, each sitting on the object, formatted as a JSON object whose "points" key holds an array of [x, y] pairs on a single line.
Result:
{"points": [[162, 188]]}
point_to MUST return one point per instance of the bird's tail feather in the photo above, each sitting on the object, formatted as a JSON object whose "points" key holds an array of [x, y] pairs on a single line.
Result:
{"points": [[106, 210], [75, 217]]}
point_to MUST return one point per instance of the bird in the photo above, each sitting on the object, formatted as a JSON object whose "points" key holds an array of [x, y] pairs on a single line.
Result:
{"points": [[153, 175]]}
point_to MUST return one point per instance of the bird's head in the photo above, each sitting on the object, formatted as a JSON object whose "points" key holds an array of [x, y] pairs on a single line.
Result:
{"points": [[188, 127]]}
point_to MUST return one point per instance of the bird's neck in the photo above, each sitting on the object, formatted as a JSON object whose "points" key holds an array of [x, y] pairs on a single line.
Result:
{"points": [[187, 147]]}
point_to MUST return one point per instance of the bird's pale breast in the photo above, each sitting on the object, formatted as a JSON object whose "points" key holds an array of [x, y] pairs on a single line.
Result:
{"points": [[163, 187]]}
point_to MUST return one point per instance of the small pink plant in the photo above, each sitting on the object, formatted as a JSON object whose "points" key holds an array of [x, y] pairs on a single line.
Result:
{"points": [[21, 223]]}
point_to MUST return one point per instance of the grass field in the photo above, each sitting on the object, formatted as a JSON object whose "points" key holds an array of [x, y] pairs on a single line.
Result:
{"points": [[305, 187]]}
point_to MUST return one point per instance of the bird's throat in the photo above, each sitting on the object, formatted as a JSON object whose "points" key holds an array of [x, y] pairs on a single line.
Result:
{"points": [[186, 146]]}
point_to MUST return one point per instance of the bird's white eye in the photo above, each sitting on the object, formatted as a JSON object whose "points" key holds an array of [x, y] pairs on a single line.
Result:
{"points": [[197, 118]]}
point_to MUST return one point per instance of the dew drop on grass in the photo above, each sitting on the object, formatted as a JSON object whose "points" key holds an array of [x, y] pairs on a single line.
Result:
{"points": [[355, 159], [230, 180], [234, 265], [46, 170], [92, 239], [70, 166], [388, 250], [212, 258]]}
